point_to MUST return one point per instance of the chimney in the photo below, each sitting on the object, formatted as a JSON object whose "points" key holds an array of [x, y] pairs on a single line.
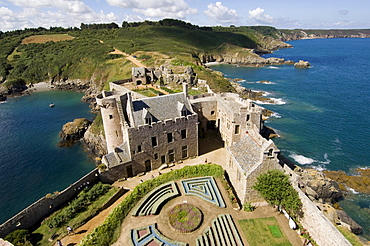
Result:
{"points": [[185, 89]]}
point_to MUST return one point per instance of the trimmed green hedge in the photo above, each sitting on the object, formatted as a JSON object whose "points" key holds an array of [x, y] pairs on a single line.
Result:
{"points": [[108, 232]]}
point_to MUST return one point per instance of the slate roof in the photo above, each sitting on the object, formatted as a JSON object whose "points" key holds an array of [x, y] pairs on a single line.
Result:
{"points": [[161, 107], [246, 152], [120, 156]]}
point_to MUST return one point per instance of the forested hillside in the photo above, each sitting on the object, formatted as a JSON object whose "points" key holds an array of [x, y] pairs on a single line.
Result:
{"points": [[34, 55]]}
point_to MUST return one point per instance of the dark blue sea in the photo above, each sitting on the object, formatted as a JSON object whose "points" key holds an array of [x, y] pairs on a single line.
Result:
{"points": [[321, 113], [31, 163]]}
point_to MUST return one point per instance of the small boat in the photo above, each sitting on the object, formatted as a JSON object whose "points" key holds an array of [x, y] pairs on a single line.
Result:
{"points": [[51, 105]]}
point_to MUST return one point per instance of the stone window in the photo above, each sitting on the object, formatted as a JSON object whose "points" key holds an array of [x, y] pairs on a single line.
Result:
{"points": [[183, 134], [110, 116], [237, 129], [248, 117], [169, 137], [163, 159], [271, 153], [171, 155], [154, 141], [148, 121], [156, 156], [184, 151], [212, 112], [139, 148]]}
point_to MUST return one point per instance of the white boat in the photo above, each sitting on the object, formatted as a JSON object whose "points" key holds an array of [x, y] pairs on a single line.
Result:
{"points": [[51, 105]]}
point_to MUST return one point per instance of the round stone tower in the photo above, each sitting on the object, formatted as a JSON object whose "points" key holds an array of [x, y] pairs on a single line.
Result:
{"points": [[111, 120]]}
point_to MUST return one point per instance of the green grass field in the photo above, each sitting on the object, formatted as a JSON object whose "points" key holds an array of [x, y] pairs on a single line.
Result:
{"points": [[263, 232]]}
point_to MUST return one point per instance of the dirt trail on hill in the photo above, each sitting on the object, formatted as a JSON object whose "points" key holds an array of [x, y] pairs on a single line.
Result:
{"points": [[129, 57]]}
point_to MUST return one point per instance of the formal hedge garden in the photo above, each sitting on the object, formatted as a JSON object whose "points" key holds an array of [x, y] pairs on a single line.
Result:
{"points": [[108, 232]]}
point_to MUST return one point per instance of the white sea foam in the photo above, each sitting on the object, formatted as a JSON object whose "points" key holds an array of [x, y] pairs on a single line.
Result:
{"points": [[276, 115], [302, 159], [319, 168], [327, 160], [353, 190], [274, 101], [273, 67], [265, 82]]}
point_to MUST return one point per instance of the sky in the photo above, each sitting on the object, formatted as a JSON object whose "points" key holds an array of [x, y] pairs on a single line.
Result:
{"points": [[286, 14]]}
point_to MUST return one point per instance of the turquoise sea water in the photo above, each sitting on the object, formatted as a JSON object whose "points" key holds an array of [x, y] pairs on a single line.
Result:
{"points": [[31, 163], [322, 113]]}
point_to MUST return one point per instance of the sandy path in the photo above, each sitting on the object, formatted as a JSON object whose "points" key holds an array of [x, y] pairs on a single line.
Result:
{"points": [[91, 224], [129, 57]]}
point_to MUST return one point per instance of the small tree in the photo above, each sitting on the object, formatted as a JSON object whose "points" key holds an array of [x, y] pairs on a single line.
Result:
{"points": [[274, 186]]}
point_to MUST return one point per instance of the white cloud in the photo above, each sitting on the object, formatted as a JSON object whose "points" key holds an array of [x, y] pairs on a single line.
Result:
{"points": [[260, 17], [221, 13], [343, 12], [32, 17], [157, 8], [70, 6]]}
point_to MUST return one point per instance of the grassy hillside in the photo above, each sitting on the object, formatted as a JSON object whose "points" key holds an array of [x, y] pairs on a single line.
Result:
{"points": [[35, 55]]}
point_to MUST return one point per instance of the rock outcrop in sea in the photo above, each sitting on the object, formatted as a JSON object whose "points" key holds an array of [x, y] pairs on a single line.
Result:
{"points": [[73, 131], [302, 64]]}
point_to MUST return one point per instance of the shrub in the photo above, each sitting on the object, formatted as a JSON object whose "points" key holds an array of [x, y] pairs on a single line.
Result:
{"points": [[19, 238], [248, 207], [79, 204], [275, 187]]}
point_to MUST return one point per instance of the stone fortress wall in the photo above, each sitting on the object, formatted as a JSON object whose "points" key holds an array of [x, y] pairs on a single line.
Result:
{"points": [[314, 220], [46, 205]]}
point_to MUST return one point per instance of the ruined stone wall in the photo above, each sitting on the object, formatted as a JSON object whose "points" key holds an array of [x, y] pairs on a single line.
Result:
{"points": [[142, 148], [319, 227], [206, 111], [45, 206]]}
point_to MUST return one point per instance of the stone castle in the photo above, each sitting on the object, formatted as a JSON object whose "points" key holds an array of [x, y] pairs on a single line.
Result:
{"points": [[143, 134]]}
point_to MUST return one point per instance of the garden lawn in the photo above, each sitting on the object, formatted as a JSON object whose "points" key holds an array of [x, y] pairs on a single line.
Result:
{"points": [[263, 231]]}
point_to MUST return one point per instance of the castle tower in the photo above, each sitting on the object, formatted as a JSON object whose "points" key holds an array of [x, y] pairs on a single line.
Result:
{"points": [[111, 121]]}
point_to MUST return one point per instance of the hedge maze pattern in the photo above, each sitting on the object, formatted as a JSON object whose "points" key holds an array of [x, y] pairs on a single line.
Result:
{"points": [[149, 235], [222, 232], [153, 201], [204, 188]]}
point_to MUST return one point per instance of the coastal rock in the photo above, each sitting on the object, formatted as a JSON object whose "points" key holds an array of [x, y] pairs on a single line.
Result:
{"points": [[73, 131], [318, 187], [95, 143], [2, 98], [340, 217], [346, 219], [302, 64], [359, 183], [244, 57]]}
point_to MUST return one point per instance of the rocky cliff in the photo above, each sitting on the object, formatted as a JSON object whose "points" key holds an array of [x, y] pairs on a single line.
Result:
{"points": [[297, 34], [95, 143]]}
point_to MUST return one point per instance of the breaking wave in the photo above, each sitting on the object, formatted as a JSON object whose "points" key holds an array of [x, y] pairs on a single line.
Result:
{"points": [[302, 159], [274, 101]]}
